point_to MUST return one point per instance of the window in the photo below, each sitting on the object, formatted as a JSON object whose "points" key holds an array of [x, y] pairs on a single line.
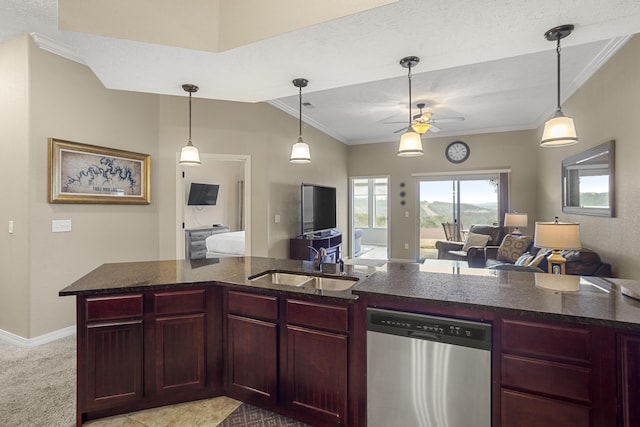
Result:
{"points": [[370, 197]]}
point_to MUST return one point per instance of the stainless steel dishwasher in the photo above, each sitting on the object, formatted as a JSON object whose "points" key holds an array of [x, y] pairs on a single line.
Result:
{"points": [[426, 371]]}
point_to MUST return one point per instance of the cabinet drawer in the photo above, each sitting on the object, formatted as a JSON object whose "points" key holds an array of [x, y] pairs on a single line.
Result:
{"points": [[198, 254], [200, 235], [179, 302], [252, 305], [542, 376], [539, 339], [114, 307], [526, 410], [316, 315], [199, 245]]}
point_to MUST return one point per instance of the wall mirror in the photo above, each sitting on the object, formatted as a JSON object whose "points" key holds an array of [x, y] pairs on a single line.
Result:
{"points": [[588, 181]]}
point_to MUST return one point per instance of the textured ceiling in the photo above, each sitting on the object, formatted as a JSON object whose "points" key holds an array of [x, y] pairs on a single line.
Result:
{"points": [[486, 61]]}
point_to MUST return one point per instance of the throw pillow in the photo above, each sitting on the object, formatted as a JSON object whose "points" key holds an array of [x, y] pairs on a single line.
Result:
{"points": [[512, 247], [524, 259], [474, 239]]}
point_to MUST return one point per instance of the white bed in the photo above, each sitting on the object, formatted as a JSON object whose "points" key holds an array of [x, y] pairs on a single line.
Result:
{"points": [[225, 244]]}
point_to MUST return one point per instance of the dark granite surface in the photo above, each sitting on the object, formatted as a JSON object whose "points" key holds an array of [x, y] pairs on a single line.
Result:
{"points": [[171, 274], [594, 300]]}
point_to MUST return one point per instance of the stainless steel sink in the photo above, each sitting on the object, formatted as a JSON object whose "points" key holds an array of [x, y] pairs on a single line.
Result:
{"points": [[302, 280]]}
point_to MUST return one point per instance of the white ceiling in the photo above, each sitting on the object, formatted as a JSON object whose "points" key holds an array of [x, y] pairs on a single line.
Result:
{"points": [[486, 61]]}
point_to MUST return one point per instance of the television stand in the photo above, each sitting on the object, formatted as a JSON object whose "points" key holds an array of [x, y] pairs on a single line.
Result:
{"points": [[332, 243]]}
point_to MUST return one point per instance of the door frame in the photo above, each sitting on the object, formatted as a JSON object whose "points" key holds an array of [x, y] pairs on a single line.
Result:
{"points": [[181, 198], [351, 222]]}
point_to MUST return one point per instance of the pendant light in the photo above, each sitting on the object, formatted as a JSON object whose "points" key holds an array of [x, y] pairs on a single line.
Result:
{"points": [[410, 142], [189, 155], [300, 150], [559, 131]]}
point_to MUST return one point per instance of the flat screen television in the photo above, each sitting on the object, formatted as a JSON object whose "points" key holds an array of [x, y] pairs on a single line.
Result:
{"points": [[318, 208], [203, 194]]}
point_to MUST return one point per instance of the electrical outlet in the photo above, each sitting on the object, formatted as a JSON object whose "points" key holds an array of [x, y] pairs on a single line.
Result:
{"points": [[277, 219], [10, 227], [406, 246], [60, 225]]}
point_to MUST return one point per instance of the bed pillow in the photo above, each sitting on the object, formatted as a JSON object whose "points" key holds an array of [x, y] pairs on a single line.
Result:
{"points": [[512, 247], [474, 239]]}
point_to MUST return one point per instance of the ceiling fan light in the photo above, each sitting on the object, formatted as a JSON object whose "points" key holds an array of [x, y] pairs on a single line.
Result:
{"points": [[559, 131], [410, 145], [300, 152], [189, 155], [420, 127]]}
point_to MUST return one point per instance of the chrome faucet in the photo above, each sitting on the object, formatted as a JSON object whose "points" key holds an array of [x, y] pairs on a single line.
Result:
{"points": [[317, 260]]}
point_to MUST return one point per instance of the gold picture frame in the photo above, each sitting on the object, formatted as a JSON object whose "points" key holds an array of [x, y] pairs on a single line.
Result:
{"points": [[83, 173]]}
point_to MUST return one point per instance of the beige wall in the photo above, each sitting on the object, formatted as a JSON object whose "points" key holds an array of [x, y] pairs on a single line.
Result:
{"points": [[507, 150], [604, 108], [48, 96], [14, 173]]}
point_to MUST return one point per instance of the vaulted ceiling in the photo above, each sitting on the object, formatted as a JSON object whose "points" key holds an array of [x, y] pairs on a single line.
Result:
{"points": [[486, 61]]}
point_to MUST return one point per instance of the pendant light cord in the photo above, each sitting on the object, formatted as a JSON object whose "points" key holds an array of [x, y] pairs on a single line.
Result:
{"points": [[189, 116], [300, 110], [409, 75], [558, 89]]}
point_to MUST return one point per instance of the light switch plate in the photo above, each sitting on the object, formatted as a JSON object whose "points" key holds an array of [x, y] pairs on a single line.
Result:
{"points": [[60, 225]]}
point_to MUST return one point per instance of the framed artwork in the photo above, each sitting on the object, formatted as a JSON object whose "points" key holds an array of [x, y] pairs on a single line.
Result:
{"points": [[82, 173]]}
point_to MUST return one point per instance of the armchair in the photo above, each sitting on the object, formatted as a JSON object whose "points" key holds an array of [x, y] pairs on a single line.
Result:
{"points": [[455, 250]]}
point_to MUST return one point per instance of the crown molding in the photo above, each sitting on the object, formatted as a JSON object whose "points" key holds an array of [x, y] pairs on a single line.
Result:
{"points": [[55, 47], [295, 113]]}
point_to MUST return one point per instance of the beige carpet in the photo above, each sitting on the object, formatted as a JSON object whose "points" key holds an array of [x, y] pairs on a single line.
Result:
{"points": [[38, 385]]}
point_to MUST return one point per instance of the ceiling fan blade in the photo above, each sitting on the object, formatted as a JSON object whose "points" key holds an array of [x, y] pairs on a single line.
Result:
{"points": [[434, 129], [448, 120], [404, 129], [393, 123]]}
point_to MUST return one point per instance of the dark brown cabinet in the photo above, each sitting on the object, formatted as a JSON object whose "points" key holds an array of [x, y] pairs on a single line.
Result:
{"points": [[179, 341], [317, 337], [251, 360], [555, 374], [629, 378], [111, 361]]}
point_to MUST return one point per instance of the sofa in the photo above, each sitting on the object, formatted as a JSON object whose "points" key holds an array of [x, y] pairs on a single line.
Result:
{"points": [[579, 262], [357, 241], [451, 250]]}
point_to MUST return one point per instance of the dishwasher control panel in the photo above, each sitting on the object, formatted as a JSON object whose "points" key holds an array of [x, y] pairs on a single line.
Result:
{"points": [[432, 328]]}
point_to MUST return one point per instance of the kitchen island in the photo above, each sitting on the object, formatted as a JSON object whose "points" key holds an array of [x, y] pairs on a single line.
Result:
{"points": [[162, 332]]}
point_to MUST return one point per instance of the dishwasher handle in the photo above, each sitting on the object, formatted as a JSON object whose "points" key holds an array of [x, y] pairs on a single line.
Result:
{"points": [[424, 335]]}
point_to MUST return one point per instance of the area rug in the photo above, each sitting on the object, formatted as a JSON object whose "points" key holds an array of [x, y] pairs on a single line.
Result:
{"points": [[250, 416]]}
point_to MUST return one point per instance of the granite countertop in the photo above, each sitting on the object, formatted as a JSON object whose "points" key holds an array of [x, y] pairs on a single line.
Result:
{"points": [[171, 274], [580, 299], [590, 300]]}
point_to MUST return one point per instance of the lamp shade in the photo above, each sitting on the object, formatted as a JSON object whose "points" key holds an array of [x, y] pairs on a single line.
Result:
{"points": [[189, 155], [557, 235], [410, 145], [515, 219], [300, 152], [559, 131]]}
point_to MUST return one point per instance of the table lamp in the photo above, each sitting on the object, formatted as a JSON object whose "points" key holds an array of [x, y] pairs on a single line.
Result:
{"points": [[557, 236], [516, 220]]}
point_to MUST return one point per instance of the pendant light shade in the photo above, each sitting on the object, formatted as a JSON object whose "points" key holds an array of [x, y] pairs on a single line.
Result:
{"points": [[300, 151], [410, 141], [189, 155], [559, 131]]}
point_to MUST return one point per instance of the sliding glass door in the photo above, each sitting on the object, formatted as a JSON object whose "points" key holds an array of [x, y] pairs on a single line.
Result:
{"points": [[448, 206]]}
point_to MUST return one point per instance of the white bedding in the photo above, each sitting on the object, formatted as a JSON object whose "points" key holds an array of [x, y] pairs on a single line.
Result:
{"points": [[222, 244]]}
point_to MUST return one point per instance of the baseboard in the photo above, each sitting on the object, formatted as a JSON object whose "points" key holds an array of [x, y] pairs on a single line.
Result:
{"points": [[19, 341]]}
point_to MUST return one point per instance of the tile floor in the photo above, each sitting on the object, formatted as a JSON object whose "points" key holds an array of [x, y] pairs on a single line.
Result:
{"points": [[201, 413]]}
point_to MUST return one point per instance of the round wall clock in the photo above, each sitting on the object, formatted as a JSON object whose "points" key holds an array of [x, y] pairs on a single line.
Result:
{"points": [[457, 152]]}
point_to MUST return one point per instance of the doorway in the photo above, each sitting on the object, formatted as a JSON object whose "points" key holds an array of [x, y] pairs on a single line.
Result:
{"points": [[449, 205], [233, 208], [370, 218]]}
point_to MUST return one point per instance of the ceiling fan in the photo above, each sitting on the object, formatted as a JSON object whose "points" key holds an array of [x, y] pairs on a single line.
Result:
{"points": [[424, 121]]}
